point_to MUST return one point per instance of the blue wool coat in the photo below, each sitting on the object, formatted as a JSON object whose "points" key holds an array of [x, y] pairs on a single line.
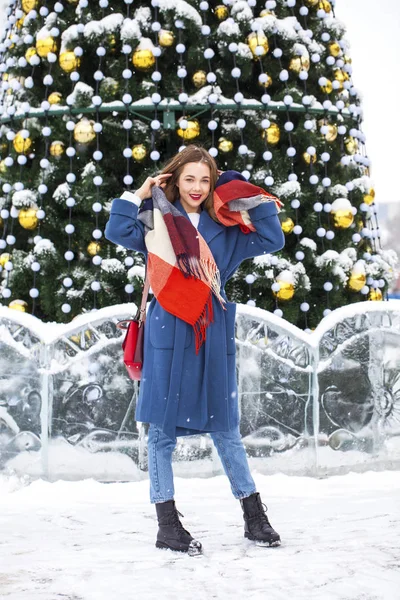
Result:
{"points": [[184, 392]]}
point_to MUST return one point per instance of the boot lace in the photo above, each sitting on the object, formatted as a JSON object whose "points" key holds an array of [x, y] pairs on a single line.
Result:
{"points": [[174, 520]]}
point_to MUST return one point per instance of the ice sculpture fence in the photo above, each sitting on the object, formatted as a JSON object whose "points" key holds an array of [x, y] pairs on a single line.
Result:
{"points": [[314, 404]]}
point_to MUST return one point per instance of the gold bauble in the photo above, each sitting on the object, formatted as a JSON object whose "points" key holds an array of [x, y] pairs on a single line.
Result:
{"points": [[351, 145], [5, 257], [93, 248], [225, 145], [343, 218], [312, 2], [273, 134], [327, 89], [55, 98], [22, 145], [192, 131], [325, 5], [308, 158], [340, 75], [27, 218], [357, 281], [28, 5], [57, 148], [46, 45], [286, 291], [20, 22], [72, 1], [370, 197], [266, 13], [69, 62], [299, 63], [84, 132], [199, 78], [143, 59], [19, 305], [266, 83], [221, 12], [30, 52], [166, 38], [112, 42], [3, 148], [347, 59], [332, 133], [287, 225], [3, 167], [139, 152], [258, 38], [335, 49], [375, 295]]}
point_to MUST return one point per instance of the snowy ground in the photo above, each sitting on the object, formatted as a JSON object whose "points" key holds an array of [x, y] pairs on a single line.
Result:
{"points": [[91, 541]]}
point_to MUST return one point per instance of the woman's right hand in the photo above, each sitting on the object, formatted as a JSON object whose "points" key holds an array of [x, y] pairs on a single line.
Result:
{"points": [[145, 189]]}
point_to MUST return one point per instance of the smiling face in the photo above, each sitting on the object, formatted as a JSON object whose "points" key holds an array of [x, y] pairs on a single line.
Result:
{"points": [[194, 185]]}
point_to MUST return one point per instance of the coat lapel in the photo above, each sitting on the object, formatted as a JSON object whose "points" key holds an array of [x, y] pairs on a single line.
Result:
{"points": [[207, 226]]}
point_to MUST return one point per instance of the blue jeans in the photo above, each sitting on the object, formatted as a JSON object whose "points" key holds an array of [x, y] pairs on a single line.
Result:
{"points": [[231, 452]]}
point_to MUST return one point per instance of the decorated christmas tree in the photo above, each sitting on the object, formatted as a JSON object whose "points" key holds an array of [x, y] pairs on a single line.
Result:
{"points": [[98, 95]]}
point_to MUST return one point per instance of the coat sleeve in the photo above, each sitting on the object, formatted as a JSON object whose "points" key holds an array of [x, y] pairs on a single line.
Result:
{"points": [[267, 238], [123, 228]]}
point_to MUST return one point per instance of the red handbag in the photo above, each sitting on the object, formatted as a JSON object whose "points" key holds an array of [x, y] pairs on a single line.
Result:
{"points": [[134, 338]]}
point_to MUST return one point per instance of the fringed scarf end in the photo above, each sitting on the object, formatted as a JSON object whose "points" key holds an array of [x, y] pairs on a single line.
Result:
{"points": [[206, 317]]}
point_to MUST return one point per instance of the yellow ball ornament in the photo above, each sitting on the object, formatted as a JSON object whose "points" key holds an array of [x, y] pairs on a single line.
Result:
{"points": [[93, 248], [57, 148], [332, 133], [267, 83], [299, 63], [27, 218], [286, 291], [309, 158], [199, 79], [54, 98], [343, 219], [375, 295], [225, 145], [84, 132], [139, 152], [287, 226], [273, 134], [257, 39], [327, 89], [370, 197], [221, 12], [191, 132], [351, 145], [335, 49], [325, 5], [46, 45], [22, 145], [357, 281], [143, 59], [3, 167], [28, 5], [166, 38], [312, 3], [30, 52], [19, 305], [4, 258], [69, 62]]}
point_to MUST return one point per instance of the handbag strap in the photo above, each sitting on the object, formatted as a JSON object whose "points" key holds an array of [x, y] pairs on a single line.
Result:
{"points": [[142, 311]]}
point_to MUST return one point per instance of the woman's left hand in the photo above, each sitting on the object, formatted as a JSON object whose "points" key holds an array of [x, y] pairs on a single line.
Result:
{"points": [[219, 172]]}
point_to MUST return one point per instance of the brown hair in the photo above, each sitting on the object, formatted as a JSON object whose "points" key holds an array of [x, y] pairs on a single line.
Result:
{"points": [[191, 153]]}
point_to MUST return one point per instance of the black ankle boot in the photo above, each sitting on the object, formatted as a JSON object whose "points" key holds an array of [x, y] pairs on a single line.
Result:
{"points": [[171, 533], [256, 524]]}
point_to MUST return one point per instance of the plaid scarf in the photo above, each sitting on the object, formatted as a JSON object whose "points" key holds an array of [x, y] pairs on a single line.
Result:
{"points": [[182, 271]]}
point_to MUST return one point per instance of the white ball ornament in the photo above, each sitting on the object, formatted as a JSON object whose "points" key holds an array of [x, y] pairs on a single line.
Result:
{"points": [[70, 202], [69, 255], [325, 156], [365, 290], [327, 311], [330, 235], [71, 177], [315, 58], [250, 278], [67, 282], [292, 177], [22, 160], [295, 203], [304, 306], [238, 97], [42, 188], [129, 288], [291, 3], [321, 232], [289, 126], [97, 207], [265, 123], [155, 124], [243, 149], [155, 155], [126, 98], [288, 100], [303, 11], [250, 302], [284, 75], [156, 75], [277, 53], [34, 293], [306, 100], [183, 97], [97, 260], [236, 72], [95, 285], [6, 189], [211, 77], [6, 293], [126, 73], [269, 180], [97, 155], [97, 100], [66, 308], [127, 152], [278, 312], [308, 125], [314, 179], [297, 230], [97, 180], [97, 127], [303, 75], [69, 229], [9, 161], [241, 123], [213, 151], [267, 155], [206, 30], [204, 6], [40, 214], [128, 180], [326, 182], [356, 237], [327, 207], [299, 255], [291, 152], [212, 125]]}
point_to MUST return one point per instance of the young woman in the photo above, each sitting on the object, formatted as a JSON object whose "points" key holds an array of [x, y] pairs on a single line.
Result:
{"points": [[195, 229]]}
